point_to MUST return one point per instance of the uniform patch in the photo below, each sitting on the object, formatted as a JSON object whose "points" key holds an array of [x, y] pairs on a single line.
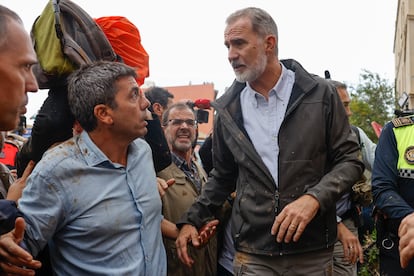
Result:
{"points": [[403, 121], [409, 155]]}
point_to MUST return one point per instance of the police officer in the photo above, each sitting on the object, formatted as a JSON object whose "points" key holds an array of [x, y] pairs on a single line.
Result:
{"points": [[393, 190]]}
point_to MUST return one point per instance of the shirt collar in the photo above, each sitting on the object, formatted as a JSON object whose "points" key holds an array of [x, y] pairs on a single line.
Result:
{"points": [[180, 162], [94, 157], [277, 90]]}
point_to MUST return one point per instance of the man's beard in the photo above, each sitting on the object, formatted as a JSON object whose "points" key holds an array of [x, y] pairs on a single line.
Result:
{"points": [[252, 74], [182, 147]]}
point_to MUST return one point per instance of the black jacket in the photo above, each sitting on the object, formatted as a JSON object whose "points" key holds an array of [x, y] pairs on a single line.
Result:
{"points": [[318, 156]]}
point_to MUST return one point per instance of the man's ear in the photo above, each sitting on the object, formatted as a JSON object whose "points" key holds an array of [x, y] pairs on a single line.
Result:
{"points": [[271, 42], [103, 114], [158, 109]]}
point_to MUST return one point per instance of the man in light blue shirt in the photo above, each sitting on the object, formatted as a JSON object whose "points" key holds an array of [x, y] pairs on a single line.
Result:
{"points": [[93, 199]]}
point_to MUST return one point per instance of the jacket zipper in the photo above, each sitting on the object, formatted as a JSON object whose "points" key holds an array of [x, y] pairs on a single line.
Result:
{"points": [[276, 202]]}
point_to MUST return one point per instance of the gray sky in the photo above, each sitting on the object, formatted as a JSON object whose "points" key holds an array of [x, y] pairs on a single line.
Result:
{"points": [[184, 38]]}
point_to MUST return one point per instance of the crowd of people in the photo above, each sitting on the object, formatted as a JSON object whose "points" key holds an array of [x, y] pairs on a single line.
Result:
{"points": [[124, 194]]}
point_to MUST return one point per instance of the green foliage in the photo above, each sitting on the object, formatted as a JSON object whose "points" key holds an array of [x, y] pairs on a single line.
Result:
{"points": [[372, 100], [370, 266]]}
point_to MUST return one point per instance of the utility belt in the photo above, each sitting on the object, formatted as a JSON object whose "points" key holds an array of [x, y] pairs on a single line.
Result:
{"points": [[387, 232]]}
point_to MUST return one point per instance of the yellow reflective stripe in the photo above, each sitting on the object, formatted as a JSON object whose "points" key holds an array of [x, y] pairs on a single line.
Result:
{"points": [[405, 139]]}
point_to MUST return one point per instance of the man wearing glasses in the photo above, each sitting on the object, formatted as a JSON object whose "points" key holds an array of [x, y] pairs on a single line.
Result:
{"points": [[180, 131]]}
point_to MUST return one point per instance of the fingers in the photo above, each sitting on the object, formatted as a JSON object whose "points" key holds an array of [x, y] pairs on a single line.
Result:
{"points": [[276, 225], [291, 230], [15, 260], [10, 269], [287, 231], [28, 170], [353, 253], [406, 243], [405, 256], [283, 228], [19, 229], [170, 182], [298, 233], [187, 234], [351, 247], [207, 231], [291, 222], [16, 189], [406, 248], [9, 244], [164, 185]]}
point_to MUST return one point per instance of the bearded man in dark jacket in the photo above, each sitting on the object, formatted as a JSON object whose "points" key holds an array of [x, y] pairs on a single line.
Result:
{"points": [[282, 140]]}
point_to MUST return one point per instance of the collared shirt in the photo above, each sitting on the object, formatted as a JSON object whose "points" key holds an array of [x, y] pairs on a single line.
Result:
{"points": [[190, 172], [262, 119], [98, 217]]}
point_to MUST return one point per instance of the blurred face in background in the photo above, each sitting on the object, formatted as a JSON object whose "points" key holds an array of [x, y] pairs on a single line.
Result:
{"points": [[346, 100]]}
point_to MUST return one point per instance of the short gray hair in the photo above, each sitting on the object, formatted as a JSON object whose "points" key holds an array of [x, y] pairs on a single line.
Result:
{"points": [[262, 23]]}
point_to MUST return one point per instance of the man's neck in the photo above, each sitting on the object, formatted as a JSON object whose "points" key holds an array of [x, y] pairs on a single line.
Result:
{"points": [[114, 148], [187, 156], [268, 79]]}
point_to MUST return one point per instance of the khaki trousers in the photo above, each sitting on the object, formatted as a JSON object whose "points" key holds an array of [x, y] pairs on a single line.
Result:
{"points": [[316, 263]]}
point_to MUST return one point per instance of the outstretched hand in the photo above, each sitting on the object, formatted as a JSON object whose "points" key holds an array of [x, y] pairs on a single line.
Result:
{"points": [[207, 231], [13, 258], [188, 233]]}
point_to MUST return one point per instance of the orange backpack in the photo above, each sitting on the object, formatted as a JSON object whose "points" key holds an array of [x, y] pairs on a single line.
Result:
{"points": [[125, 39]]}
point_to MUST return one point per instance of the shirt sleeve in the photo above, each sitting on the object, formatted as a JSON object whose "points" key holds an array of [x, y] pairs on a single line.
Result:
{"points": [[43, 205], [368, 150]]}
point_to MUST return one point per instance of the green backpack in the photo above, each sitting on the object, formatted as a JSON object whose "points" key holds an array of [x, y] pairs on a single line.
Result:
{"points": [[64, 38]]}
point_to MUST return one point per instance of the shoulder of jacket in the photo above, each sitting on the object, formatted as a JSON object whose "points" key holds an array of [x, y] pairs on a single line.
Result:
{"points": [[172, 171], [403, 121], [230, 95]]}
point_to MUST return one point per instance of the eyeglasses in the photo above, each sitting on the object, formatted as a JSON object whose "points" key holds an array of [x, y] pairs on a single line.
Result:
{"points": [[179, 122]]}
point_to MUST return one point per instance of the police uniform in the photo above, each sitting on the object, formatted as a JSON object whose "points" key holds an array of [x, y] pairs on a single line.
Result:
{"points": [[393, 190]]}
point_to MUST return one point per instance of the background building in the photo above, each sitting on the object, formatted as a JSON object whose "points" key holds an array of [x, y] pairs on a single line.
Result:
{"points": [[404, 51]]}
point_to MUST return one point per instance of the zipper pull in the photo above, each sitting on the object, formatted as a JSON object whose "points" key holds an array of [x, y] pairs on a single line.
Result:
{"points": [[276, 202]]}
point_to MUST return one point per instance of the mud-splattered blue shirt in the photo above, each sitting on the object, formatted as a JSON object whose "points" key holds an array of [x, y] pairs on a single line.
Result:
{"points": [[98, 217]]}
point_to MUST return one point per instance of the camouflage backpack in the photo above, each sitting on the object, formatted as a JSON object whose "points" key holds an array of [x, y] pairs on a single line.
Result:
{"points": [[362, 190]]}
